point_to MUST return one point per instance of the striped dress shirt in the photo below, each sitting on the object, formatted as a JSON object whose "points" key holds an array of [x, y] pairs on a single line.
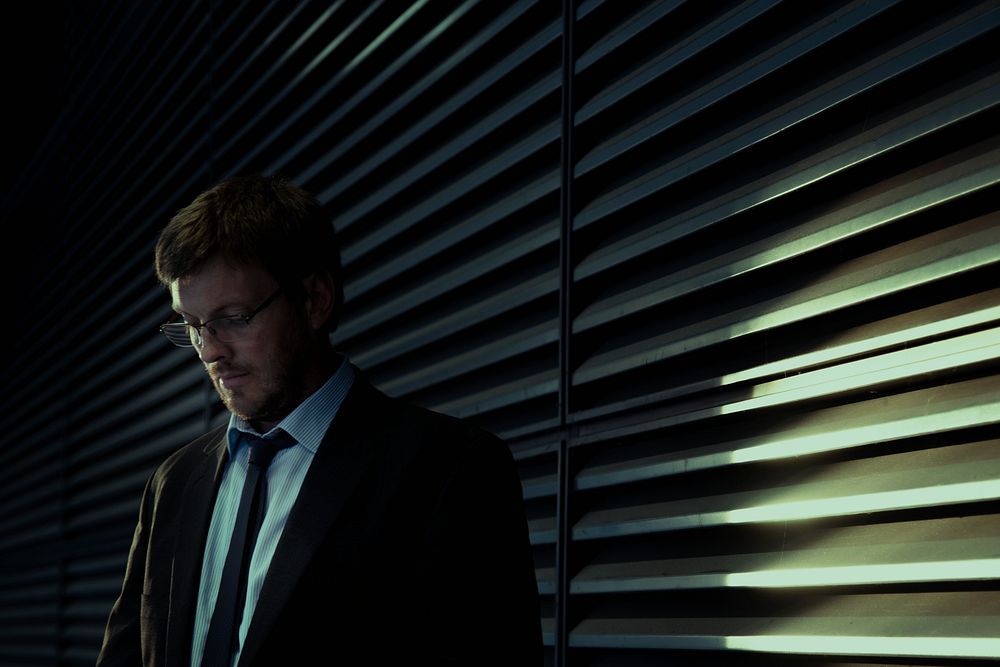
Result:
{"points": [[308, 424]]}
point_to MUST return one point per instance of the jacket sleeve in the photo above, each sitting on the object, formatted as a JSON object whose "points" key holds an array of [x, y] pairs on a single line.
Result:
{"points": [[122, 644], [478, 574]]}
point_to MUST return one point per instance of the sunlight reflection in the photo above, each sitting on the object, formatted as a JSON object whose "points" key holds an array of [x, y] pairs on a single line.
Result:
{"points": [[964, 570], [868, 502], [951, 647]]}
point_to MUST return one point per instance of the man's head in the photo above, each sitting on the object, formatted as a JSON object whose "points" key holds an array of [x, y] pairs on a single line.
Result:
{"points": [[253, 219], [260, 253]]}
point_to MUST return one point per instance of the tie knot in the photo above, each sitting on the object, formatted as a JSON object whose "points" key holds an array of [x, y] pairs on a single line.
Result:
{"points": [[262, 450]]}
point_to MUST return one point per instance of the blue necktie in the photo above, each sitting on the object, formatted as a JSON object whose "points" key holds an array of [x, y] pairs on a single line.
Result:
{"points": [[223, 632]]}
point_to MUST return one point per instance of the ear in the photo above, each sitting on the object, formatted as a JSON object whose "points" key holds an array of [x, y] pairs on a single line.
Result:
{"points": [[321, 297]]}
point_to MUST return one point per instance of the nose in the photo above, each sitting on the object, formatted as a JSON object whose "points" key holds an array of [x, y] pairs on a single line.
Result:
{"points": [[212, 349]]}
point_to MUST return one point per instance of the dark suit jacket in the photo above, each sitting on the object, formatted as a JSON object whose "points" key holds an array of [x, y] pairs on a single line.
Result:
{"points": [[408, 542]]}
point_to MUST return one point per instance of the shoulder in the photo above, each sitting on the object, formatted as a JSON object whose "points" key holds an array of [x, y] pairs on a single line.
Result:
{"points": [[400, 414], [196, 457], [427, 423], [407, 422], [434, 438]]}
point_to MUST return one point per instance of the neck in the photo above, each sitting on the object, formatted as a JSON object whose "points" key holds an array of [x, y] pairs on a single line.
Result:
{"points": [[316, 370]]}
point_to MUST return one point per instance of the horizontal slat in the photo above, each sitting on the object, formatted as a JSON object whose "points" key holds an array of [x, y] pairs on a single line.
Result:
{"points": [[687, 49], [119, 267], [265, 60], [924, 261], [35, 575], [497, 212], [517, 55], [870, 374], [923, 479], [915, 193], [511, 393], [528, 98], [94, 365], [930, 411], [102, 96], [595, 634], [636, 25], [171, 377], [955, 549], [45, 530], [271, 132], [415, 337], [150, 117], [542, 531], [540, 487], [961, 176], [40, 461], [780, 432], [35, 493], [127, 485], [532, 288], [548, 631], [893, 333], [138, 443], [546, 578], [911, 625], [877, 72], [406, 97], [493, 352]]}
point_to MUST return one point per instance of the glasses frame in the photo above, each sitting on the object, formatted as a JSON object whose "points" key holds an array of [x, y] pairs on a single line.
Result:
{"points": [[198, 341]]}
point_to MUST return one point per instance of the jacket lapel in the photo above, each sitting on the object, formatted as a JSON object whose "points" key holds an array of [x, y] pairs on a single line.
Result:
{"points": [[340, 462], [195, 512]]}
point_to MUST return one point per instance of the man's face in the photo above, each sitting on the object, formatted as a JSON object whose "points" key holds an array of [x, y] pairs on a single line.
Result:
{"points": [[260, 376]]}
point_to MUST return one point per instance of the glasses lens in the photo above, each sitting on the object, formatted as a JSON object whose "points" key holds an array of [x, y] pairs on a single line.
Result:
{"points": [[178, 333], [228, 329]]}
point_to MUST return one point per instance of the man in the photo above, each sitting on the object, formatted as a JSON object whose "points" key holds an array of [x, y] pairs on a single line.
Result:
{"points": [[326, 523]]}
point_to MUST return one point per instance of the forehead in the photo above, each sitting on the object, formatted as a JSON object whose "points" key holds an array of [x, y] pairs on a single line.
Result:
{"points": [[219, 284]]}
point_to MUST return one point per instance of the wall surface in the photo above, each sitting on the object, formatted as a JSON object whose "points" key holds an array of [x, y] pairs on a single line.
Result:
{"points": [[723, 275]]}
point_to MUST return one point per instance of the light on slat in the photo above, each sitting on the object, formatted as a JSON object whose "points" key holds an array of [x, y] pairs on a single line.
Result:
{"points": [[967, 350], [846, 575], [833, 352], [831, 644], [942, 647], [868, 502], [957, 570], [887, 431]]}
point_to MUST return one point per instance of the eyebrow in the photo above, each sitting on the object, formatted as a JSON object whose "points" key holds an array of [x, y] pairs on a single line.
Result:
{"points": [[216, 312]]}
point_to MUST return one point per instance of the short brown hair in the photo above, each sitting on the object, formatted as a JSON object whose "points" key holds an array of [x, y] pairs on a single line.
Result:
{"points": [[253, 219]]}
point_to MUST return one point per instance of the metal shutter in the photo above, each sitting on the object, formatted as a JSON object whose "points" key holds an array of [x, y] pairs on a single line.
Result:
{"points": [[722, 275], [784, 397]]}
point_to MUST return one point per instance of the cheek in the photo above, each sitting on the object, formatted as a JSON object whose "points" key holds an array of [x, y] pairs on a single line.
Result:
{"points": [[273, 358], [273, 363]]}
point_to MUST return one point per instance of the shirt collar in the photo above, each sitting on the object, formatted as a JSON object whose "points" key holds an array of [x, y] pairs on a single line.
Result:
{"points": [[307, 423]]}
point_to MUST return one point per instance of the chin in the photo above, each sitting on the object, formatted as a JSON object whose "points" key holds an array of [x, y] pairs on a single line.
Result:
{"points": [[238, 405], [253, 412], [238, 409], [255, 403]]}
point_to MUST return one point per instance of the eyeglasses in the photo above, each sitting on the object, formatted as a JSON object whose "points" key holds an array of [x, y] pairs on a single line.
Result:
{"points": [[227, 329]]}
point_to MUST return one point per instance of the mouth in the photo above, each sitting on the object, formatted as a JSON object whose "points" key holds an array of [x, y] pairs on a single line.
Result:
{"points": [[231, 380]]}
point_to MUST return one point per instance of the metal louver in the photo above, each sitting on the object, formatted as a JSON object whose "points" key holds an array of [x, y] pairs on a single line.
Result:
{"points": [[722, 274]]}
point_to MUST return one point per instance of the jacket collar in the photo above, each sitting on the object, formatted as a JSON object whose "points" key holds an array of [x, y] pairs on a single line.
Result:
{"points": [[348, 450], [194, 515]]}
